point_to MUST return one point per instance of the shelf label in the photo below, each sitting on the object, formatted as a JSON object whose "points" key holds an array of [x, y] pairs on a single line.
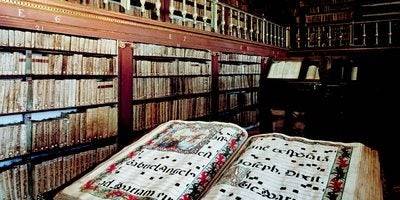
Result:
{"points": [[57, 19], [39, 27], [21, 12]]}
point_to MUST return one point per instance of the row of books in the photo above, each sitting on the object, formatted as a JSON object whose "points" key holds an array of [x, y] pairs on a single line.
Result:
{"points": [[330, 17], [245, 118], [285, 70], [326, 8], [230, 101], [28, 39], [325, 2], [13, 96], [239, 58], [75, 128], [158, 50], [52, 174], [13, 141], [12, 63], [237, 82], [144, 88], [14, 183], [240, 69], [67, 130], [149, 115], [250, 98], [73, 65], [151, 68], [50, 93]]}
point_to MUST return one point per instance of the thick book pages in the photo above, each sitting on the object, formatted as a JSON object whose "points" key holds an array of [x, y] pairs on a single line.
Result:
{"points": [[199, 160], [177, 160], [275, 166]]}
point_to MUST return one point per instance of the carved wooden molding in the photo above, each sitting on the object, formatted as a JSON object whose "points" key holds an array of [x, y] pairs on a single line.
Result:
{"points": [[96, 22]]}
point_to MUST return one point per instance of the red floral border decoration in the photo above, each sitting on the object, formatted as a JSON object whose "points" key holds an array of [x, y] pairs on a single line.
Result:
{"points": [[194, 191], [338, 175]]}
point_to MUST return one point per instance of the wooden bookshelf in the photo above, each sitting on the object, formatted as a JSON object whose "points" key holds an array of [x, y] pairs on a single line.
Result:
{"points": [[238, 103], [63, 108], [180, 87], [39, 118]]}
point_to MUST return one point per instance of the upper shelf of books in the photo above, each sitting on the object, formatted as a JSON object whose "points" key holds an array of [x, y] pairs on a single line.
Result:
{"points": [[55, 43], [42, 71], [233, 58], [151, 51]]}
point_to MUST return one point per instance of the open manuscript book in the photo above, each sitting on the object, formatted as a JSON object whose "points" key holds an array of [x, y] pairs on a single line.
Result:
{"points": [[212, 160]]}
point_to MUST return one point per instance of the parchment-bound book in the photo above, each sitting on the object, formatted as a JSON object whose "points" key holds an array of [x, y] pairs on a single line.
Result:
{"points": [[177, 160], [210, 160], [276, 166]]}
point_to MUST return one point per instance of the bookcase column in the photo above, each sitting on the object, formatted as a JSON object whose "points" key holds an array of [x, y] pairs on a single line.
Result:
{"points": [[214, 85], [125, 115], [264, 106]]}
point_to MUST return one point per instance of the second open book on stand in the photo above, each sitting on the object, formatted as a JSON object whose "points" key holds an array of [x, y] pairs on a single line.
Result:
{"points": [[213, 160]]}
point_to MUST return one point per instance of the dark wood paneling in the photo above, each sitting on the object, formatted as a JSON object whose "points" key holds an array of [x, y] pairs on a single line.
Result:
{"points": [[125, 114]]}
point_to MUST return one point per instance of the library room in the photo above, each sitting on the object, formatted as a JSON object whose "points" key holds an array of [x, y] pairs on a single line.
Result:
{"points": [[199, 99]]}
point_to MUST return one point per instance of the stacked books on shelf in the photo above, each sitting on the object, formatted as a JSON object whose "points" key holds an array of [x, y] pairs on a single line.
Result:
{"points": [[327, 22], [239, 82], [328, 11], [330, 17], [13, 96], [13, 63], [230, 101], [237, 74], [74, 128], [140, 49], [149, 115], [58, 93], [14, 183], [240, 58], [51, 93], [51, 174], [245, 119], [175, 67], [285, 70], [161, 87], [54, 41], [169, 83], [13, 140]]}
